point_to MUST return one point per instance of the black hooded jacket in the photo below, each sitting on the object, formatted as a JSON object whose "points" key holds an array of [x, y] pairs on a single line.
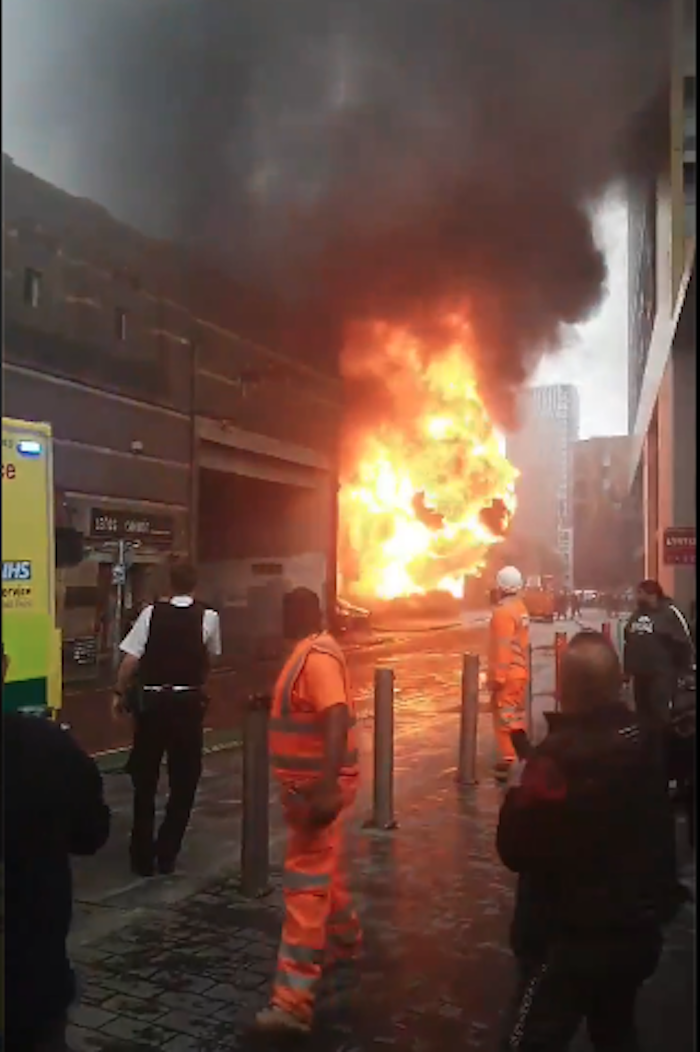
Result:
{"points": [[658, 642], [588, 829], [53, 808]]}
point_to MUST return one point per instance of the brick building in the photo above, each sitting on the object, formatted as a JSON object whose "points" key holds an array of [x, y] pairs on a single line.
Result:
{"points": [[174, 425]]}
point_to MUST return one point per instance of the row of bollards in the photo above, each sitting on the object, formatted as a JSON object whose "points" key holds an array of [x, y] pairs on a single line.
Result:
{"points": [[255, 861]]}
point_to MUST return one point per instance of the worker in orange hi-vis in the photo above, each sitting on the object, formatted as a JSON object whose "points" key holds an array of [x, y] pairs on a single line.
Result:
{"points": [[508, 668], [314, 757]]}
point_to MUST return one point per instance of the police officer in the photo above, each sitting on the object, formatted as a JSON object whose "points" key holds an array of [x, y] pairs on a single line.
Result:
{"points": [[170, 645]]}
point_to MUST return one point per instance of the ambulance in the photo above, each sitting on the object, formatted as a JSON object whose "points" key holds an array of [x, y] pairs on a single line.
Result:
{"points": [[31, 551]]}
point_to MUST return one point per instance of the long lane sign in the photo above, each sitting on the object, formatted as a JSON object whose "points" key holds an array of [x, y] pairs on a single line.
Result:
{"points": [[679, 546]]}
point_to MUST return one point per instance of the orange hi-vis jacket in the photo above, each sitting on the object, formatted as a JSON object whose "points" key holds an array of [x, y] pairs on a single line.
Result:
{"points": [[313, 679], [509, 641]]}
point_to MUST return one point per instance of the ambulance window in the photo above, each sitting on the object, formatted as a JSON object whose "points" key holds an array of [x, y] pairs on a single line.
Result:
{"points": [[32, 287]]}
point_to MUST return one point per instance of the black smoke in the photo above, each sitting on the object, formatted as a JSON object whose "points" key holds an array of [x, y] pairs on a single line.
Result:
{"points": [[388, 159]]}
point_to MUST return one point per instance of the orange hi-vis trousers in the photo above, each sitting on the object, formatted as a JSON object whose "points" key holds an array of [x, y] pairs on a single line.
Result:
{"points": [[320, 925], [509, 714]]}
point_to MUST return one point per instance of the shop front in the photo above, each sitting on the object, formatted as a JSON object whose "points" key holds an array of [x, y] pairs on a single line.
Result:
{"points": [[127, 552]]}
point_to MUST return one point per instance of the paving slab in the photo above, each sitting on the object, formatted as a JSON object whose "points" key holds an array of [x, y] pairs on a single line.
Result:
{"points": [[189, 971]]}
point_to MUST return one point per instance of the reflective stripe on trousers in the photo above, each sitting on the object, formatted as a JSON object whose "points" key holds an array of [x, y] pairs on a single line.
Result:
{"points": [[508, 710], [320, 924]]}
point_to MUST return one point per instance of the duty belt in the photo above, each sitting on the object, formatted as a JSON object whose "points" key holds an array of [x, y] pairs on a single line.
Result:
{"points": [[167, 687]]}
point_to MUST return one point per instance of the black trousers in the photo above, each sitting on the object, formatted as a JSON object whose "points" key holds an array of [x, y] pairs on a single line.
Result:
{"points": [[652, 699], [171, 725], [48, 1038], [595, 984]]}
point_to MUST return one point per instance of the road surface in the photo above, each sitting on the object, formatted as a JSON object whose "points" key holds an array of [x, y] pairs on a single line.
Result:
{"points": [[182, 963]]}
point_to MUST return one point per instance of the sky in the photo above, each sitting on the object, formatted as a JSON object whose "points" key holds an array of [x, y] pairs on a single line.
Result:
{"points": [[594, 355]]}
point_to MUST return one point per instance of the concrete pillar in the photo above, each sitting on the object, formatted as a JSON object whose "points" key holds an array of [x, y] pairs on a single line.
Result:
{"points": [[666, 444], [683, 587]]}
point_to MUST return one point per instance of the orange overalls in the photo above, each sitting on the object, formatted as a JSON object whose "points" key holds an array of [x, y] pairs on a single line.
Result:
{"points": [[509, 644], [320, 924]]}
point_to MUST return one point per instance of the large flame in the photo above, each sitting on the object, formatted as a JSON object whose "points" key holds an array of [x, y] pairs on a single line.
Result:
{"points": [[424, 497]]}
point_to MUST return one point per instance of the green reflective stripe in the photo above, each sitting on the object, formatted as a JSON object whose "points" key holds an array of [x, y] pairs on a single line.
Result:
{"points": [[300, 954], [297, 724], [284, 762], [296, 763], [293, 881], [293, 725], [294, 981]]}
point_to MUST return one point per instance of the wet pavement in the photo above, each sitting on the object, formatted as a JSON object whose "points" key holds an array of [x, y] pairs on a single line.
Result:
{"points": [[183, 963]]}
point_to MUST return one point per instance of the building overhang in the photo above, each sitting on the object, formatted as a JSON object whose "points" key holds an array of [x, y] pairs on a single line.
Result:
{"points": [[666, 331]]}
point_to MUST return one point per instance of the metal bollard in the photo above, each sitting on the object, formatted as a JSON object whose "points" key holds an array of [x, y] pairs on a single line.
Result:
{"points": [[529, 694], [560, 641], [383, 799], [255, 833], [469, 719]]}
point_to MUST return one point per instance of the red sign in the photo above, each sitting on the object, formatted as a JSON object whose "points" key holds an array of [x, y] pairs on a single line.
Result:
{"points": [[679, 546]]}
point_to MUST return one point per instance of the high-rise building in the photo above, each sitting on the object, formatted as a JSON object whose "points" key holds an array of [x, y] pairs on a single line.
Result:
{"points": [[662, 337], [542, 451], [607, 527]]}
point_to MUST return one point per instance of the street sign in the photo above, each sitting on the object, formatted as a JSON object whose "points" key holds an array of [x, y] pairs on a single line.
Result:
{"points": [[108, 524], [679, 546]]}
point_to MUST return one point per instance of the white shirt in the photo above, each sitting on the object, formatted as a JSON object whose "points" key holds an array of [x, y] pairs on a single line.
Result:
{"points": [[134, 643]]}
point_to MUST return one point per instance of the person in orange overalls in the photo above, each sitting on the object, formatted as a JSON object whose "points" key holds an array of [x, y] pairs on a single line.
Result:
{"points": [[314, 757], [508, 667]]}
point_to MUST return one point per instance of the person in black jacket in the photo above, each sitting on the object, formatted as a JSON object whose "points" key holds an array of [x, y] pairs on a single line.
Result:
{"points": [[587, 830], [658, 651], [54, 808]]}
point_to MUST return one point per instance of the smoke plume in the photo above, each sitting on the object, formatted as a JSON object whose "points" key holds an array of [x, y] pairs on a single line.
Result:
{"points": [[368, 159]]}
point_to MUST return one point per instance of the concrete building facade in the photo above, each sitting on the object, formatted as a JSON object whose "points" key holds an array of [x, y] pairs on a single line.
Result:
{"points": [[662, 336], [542, 451], [174, 432]]}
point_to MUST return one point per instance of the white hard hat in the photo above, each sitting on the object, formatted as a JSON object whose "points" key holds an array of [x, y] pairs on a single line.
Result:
{"points": [[509, 580]]}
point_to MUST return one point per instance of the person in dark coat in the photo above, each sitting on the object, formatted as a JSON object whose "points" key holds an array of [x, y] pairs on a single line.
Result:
{"points": [[658, 651], [54, 808], [587, 830]]}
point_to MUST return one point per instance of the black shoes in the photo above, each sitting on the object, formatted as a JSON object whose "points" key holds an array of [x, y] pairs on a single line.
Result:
{"points": [[141, 868]]}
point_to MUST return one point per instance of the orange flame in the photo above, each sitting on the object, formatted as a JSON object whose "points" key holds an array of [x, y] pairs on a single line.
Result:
{"points": [[411, 501]]}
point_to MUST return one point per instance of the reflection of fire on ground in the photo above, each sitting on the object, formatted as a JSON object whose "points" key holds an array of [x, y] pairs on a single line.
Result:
{"points": [[427, 493]]}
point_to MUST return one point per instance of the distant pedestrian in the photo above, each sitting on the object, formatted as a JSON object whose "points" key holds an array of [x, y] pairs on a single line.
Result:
{"points": [[53, 808], [586, 828], [575, 605], [508, 666], [167, 658], [314, 757]]}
